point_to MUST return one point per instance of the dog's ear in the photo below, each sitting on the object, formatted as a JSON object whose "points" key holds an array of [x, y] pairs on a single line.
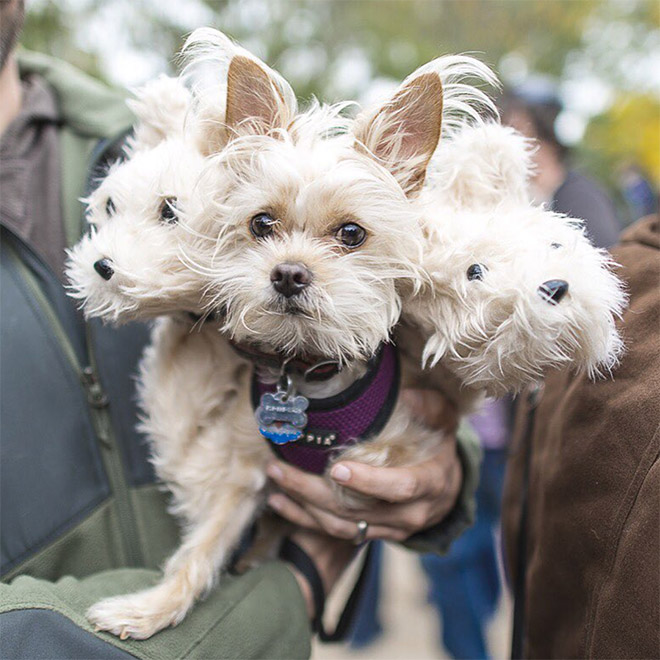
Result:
{"points": [[161, 107], [403, 134], [255, 101], [235, 92]]}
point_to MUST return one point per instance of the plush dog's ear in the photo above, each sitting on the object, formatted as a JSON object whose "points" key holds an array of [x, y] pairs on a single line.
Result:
{"points": [[161, 107], [403, 134]]}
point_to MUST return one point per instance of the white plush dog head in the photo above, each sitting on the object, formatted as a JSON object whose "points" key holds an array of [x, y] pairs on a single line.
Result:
{"points": [[516, 289], [129, 265], [312, 213]]}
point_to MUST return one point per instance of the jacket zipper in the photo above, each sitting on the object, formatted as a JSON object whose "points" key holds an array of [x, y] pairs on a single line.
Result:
{"points": [[98, 405]]}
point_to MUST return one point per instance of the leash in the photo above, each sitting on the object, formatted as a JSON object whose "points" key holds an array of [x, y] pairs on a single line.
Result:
{"points": [[520, 585], [293, 553]]}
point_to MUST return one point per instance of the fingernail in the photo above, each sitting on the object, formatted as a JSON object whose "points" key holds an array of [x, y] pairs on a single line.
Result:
{"points": [[275, 502], [274, 472], [340, 473]]}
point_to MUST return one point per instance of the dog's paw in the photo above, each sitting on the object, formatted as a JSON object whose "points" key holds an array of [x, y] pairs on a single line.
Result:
{"points": [[136, 616]]}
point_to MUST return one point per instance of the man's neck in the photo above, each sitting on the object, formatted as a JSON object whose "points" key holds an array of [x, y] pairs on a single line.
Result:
{"points": [[10, 93]]}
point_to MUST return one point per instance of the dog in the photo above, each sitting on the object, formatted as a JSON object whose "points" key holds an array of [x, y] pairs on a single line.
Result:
{"points": [[297, 247]]}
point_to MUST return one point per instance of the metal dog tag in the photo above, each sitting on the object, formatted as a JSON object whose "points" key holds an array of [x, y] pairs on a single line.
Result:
{"points": [[281, 415]]}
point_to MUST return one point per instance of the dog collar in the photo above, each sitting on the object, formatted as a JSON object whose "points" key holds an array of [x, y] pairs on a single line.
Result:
{"points": [[354, 415], [317, 370]]}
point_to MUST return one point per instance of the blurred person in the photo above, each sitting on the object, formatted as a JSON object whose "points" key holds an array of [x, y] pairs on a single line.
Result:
{"points": [[637, 191], [82, 517], [532, 109], [465, 584], [581, 512]]}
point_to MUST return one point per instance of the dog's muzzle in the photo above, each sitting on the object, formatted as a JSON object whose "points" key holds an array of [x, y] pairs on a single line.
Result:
{"points": [[289, 279]]}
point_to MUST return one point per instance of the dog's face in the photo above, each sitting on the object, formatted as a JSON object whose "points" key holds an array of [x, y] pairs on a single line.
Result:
{"points": [[314, 224], [129, 265], [518, 289]]}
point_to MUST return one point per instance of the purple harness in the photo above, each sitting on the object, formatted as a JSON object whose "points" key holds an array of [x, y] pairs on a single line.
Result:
{"points": [[356, 414]]}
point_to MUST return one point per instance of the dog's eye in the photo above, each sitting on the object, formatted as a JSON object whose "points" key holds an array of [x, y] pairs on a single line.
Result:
{"points": [[110, 208], [262, 225], [476, 272], [168, 211], [351, 235], [555, 246]]}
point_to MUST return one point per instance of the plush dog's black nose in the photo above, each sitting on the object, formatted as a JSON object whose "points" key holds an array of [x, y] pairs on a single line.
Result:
{"points": [[553, 291], [290, 279], [104, 269]]}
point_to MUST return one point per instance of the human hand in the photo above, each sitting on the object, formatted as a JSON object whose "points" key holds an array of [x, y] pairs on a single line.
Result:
{"points": [[407, 499]]}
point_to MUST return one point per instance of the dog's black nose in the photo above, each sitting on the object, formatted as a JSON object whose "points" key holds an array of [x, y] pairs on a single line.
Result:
{"points": [[104, 269], [290, 279], [553, 291]]}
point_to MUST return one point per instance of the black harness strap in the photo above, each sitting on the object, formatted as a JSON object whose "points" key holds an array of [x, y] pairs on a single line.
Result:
{"points": [[294, 554]]}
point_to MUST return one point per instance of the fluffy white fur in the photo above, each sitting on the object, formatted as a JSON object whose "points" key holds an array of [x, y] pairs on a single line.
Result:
{"points": [[241, 149]]}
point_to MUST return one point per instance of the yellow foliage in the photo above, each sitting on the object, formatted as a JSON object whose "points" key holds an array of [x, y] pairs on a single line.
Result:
{"points": [[629, 131]]}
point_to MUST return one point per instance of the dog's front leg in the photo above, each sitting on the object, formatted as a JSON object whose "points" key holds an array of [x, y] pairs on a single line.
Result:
{"points": [[188, 574]]}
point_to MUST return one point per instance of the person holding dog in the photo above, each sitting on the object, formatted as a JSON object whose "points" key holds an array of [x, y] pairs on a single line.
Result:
{"points": [[81, 514]]}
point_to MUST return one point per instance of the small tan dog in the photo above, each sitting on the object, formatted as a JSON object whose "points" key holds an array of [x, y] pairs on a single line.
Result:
{"points": [[302, 237]]}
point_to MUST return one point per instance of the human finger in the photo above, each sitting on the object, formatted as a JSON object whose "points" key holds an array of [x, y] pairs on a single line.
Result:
{"points": [[399, 484], [348, 529], [304, 487], [293, 512]]}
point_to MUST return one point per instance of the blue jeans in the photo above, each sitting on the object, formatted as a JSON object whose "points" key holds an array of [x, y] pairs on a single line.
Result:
{"points": [[465, 584]]}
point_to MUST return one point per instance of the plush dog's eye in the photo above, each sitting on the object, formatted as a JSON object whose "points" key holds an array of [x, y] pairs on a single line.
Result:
{"points": [[476, 272], [351, 235], [262, 225], [110, 208], [168, 211]]}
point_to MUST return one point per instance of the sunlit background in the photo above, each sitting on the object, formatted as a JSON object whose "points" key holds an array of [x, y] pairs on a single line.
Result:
{"points": [[601, 56]]}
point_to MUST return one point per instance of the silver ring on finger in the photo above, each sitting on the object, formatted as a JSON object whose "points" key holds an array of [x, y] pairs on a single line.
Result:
{"points": [[361, 536]]}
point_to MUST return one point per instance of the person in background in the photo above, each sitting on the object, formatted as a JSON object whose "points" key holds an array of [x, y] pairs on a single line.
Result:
{"points": [[465, 584], [532, 109], [636, 189], [580, 509]]}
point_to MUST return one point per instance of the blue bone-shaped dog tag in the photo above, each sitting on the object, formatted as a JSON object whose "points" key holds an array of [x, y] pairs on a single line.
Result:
{"points": [[281, 418]]}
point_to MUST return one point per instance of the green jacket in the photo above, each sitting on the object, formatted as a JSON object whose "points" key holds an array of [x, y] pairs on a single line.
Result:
{"points": [[82, 516]]}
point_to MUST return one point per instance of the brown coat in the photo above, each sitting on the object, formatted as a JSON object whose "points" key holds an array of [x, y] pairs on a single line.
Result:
{"points": [[593, 544]]}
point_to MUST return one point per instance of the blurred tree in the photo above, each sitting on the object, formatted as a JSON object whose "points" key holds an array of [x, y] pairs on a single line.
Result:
{"points": [[335, 49], [628, 131]]}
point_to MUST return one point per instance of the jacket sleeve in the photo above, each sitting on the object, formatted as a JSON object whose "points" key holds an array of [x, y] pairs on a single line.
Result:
{"points": [[439, 538], [256, 615]]}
